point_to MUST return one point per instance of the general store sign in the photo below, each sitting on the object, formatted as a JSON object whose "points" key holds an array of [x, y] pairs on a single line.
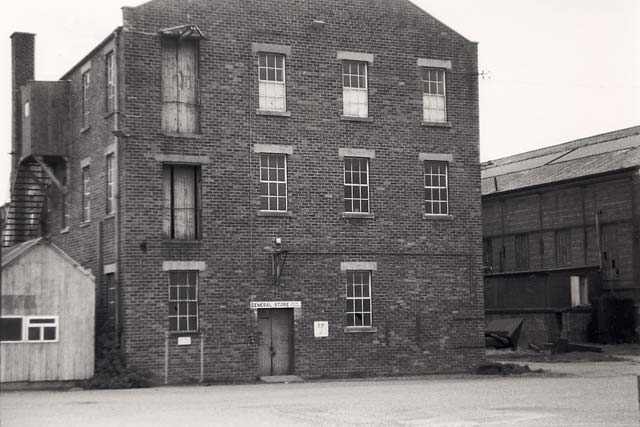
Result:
{"points": [[275, 304]]}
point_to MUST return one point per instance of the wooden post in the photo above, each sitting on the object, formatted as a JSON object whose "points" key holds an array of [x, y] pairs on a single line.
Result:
{"points": [[166, 358], [638, 378], [201, 357]]}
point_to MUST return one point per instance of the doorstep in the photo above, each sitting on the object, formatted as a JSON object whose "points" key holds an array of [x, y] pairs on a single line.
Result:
{"points": [[273, 379]]}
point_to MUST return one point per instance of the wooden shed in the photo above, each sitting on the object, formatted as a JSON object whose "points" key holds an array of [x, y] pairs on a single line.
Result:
{"points": [[47, 315]]}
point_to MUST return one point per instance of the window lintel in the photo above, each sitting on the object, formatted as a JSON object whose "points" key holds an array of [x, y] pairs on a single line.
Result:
{"points": [[273, 149], [182, 159], [356, 152], [270, 48], [437, 157], [343, 55], [188, 31], [359, 265], [434, 63], [183, 265]]}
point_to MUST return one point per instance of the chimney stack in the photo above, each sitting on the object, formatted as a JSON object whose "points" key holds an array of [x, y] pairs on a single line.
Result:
{"points": [[22, 70]]}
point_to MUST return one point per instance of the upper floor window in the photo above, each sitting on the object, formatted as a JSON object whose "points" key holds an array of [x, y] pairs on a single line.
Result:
{"points": [[110, 172], [86, 194], [273, 182], [271, 82], [356, 185], [180, 105], [487, 254], [522, 251], [111, 82], [181, 202], [86, 83], [183, 301], [434, 98], [436, 188], [354, 89]]}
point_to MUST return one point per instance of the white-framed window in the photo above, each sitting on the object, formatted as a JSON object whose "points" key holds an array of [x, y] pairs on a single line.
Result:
{"points": [[436, 188], [273, 182], [41, 328], [356, 184], [86, 195], [183, 300], [11, 329], [358, 298], [355, 98], [434, 96], [110, 173], [271, 82], [86, 83], [111, 82]]}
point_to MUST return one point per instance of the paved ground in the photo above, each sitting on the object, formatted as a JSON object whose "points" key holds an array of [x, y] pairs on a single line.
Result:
{"points": [[593, 394]]}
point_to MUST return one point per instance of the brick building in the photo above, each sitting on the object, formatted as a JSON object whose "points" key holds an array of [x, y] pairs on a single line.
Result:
{"points": [[561, 230], [266, 187]]}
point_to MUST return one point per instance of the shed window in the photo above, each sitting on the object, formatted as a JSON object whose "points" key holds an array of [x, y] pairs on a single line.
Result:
{"points": [[11, 329], [42, 329], [181, 202], [180, 85], [183, 301]]}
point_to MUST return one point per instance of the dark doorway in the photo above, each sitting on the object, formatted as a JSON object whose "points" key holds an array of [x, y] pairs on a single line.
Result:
{"points": [[276, 341]]}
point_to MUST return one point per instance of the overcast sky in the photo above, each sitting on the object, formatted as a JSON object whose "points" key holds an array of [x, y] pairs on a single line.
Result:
{"points": [[558, 69]]}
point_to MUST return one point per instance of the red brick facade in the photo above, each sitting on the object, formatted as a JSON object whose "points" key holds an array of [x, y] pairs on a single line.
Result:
{"points": [[426, 292]]}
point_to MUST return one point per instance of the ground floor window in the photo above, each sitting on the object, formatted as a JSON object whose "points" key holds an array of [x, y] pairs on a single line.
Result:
{"points": [[30, 329], [358, 298], [183, 301]]}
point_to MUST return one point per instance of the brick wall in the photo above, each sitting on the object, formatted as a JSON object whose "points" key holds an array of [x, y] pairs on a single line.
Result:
{"points": [[427, 292]]}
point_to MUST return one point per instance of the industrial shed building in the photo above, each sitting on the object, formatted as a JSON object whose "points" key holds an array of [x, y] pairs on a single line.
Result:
{"points": [[561, 231], [47, 317]]}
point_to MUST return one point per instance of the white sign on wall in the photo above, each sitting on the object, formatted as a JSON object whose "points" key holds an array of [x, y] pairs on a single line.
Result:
{"points": [[320, 329], [275, 304], [184, 340]]}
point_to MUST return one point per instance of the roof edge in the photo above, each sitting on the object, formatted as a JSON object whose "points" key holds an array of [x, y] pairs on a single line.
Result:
{"points": [[84, 59]]}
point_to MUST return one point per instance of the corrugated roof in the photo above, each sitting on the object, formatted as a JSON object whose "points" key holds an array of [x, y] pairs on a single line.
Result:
{"points": [[598, 154]]}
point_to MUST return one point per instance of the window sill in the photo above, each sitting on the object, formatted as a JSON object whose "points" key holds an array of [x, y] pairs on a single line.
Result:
{"points": [[275, 213], [363, 215], [183, 135], [273, 113], [111, 113], [85, 129], [438, 217], [437, 124], [64, 230], [110, 215], [185, 334], [181, 242], [360, 329], [356, 119], [85, 224]]}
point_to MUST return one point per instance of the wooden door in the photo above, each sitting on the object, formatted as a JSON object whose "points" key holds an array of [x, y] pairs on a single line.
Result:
{"points": [[274, 350]]}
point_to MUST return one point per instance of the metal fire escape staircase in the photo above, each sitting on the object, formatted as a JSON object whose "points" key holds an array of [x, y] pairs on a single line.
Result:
{"points": [[27, 211]]}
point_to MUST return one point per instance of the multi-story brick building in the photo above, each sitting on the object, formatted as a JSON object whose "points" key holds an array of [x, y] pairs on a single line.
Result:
{"points": [[561, 228], [267, 187]]}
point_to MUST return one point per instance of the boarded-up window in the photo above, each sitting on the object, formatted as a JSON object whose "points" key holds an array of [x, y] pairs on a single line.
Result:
{"points": [[563, 248], [183, 301], [522, 251], [180, 85], [181, 202], [11, 329]]}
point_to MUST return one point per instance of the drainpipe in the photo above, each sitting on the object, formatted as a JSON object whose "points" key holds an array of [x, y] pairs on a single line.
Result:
{"points": [[116, 196]]}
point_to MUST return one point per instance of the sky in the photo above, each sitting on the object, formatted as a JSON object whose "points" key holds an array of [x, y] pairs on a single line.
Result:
{"points": [[555, 70]]}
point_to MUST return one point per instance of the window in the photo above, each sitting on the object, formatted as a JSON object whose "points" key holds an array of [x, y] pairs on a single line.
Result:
{"points": [[358, 298], [110, 163], [271, 82], [579, 291], [522, 251], [110, 284], [181, 202], [436, 197], [86, 82], [356, 185], [111, 83], [563, 248], [10, 329], [354, 89], [42, 329], [27, 109], [434, 95], [273, 182], [180, 85], [183, 301], [487, 255], [86, 193]]}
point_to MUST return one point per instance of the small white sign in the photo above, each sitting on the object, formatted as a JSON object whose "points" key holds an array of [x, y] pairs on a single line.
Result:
{"points": [[275, 304], [184, 340], [321, 329]]}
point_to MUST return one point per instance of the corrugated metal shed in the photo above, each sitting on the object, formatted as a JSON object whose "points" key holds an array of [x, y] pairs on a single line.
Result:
{"points": [[595, 155]]}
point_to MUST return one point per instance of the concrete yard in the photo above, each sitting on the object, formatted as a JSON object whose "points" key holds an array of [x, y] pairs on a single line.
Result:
{"points": [[572, 394]]}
